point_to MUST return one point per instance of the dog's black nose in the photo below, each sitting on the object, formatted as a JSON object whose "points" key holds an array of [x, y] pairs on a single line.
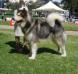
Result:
{"points": [[13, 19]]}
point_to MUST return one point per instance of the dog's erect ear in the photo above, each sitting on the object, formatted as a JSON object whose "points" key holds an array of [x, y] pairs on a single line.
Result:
{"points": [[24, 13], [24, 9]]}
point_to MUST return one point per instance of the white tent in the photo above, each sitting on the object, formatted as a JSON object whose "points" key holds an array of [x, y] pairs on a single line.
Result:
{"points": [[26, 1], [49, 7], [5, 9]]}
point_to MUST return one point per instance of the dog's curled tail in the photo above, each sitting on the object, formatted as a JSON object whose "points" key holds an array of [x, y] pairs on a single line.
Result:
{"points": [[53, 17]]}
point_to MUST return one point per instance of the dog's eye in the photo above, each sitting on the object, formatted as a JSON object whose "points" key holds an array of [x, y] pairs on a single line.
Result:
{"points": [[18, 14]]}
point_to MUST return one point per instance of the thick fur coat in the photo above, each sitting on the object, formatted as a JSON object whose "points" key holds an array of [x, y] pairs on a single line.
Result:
{"points": [[33, 31]]}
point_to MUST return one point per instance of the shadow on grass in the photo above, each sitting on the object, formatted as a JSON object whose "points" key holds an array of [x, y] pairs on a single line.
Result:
{"points": [[25, 50], [15, 49], [48, 50]]}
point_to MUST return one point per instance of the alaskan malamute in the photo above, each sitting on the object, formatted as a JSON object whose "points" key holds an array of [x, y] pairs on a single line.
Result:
{"points": [[33, 31]]}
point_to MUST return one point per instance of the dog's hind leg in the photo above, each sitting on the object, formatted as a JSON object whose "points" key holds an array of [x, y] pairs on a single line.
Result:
{"points": [[63, 51], [62, 45], [60, 42], [33, 51], [61, 48]]}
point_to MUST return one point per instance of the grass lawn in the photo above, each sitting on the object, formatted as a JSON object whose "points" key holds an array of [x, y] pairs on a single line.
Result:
{"points": [[70, 26], [47, 61], [4, 22]]}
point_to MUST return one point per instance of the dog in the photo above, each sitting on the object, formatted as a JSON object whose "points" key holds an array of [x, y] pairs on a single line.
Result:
{"points": [[36, 30]]}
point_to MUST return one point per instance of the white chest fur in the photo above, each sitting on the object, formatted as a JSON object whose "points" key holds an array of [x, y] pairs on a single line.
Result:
{"points": [[30, 37], [23, 24]]}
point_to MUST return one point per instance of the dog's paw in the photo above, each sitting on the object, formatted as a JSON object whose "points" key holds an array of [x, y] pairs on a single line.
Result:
{"points": [[32, 58], [63, 55]]}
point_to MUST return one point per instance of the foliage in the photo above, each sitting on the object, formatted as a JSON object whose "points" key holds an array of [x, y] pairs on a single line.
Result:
{"points": [[56, 3], [12, 6], [70, 5]]}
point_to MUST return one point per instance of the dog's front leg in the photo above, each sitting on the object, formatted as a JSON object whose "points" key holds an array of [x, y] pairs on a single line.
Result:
{"points": [[33, 51], [26, 42]]}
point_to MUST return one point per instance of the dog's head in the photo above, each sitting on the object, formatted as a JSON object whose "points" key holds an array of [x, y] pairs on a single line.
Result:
{"points": [[20, 15]]}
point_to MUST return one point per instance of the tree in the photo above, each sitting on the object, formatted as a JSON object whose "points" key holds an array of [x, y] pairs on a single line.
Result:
{"points": [[56, 3], [12, 6], [70, 5]]}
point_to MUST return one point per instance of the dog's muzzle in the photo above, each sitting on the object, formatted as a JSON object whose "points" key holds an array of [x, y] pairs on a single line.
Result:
{"points": [[17, 18]]}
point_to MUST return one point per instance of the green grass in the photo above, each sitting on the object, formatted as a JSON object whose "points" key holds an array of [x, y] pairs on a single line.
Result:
{"points": [[46, 61], [70, 26], [4, 22]]}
